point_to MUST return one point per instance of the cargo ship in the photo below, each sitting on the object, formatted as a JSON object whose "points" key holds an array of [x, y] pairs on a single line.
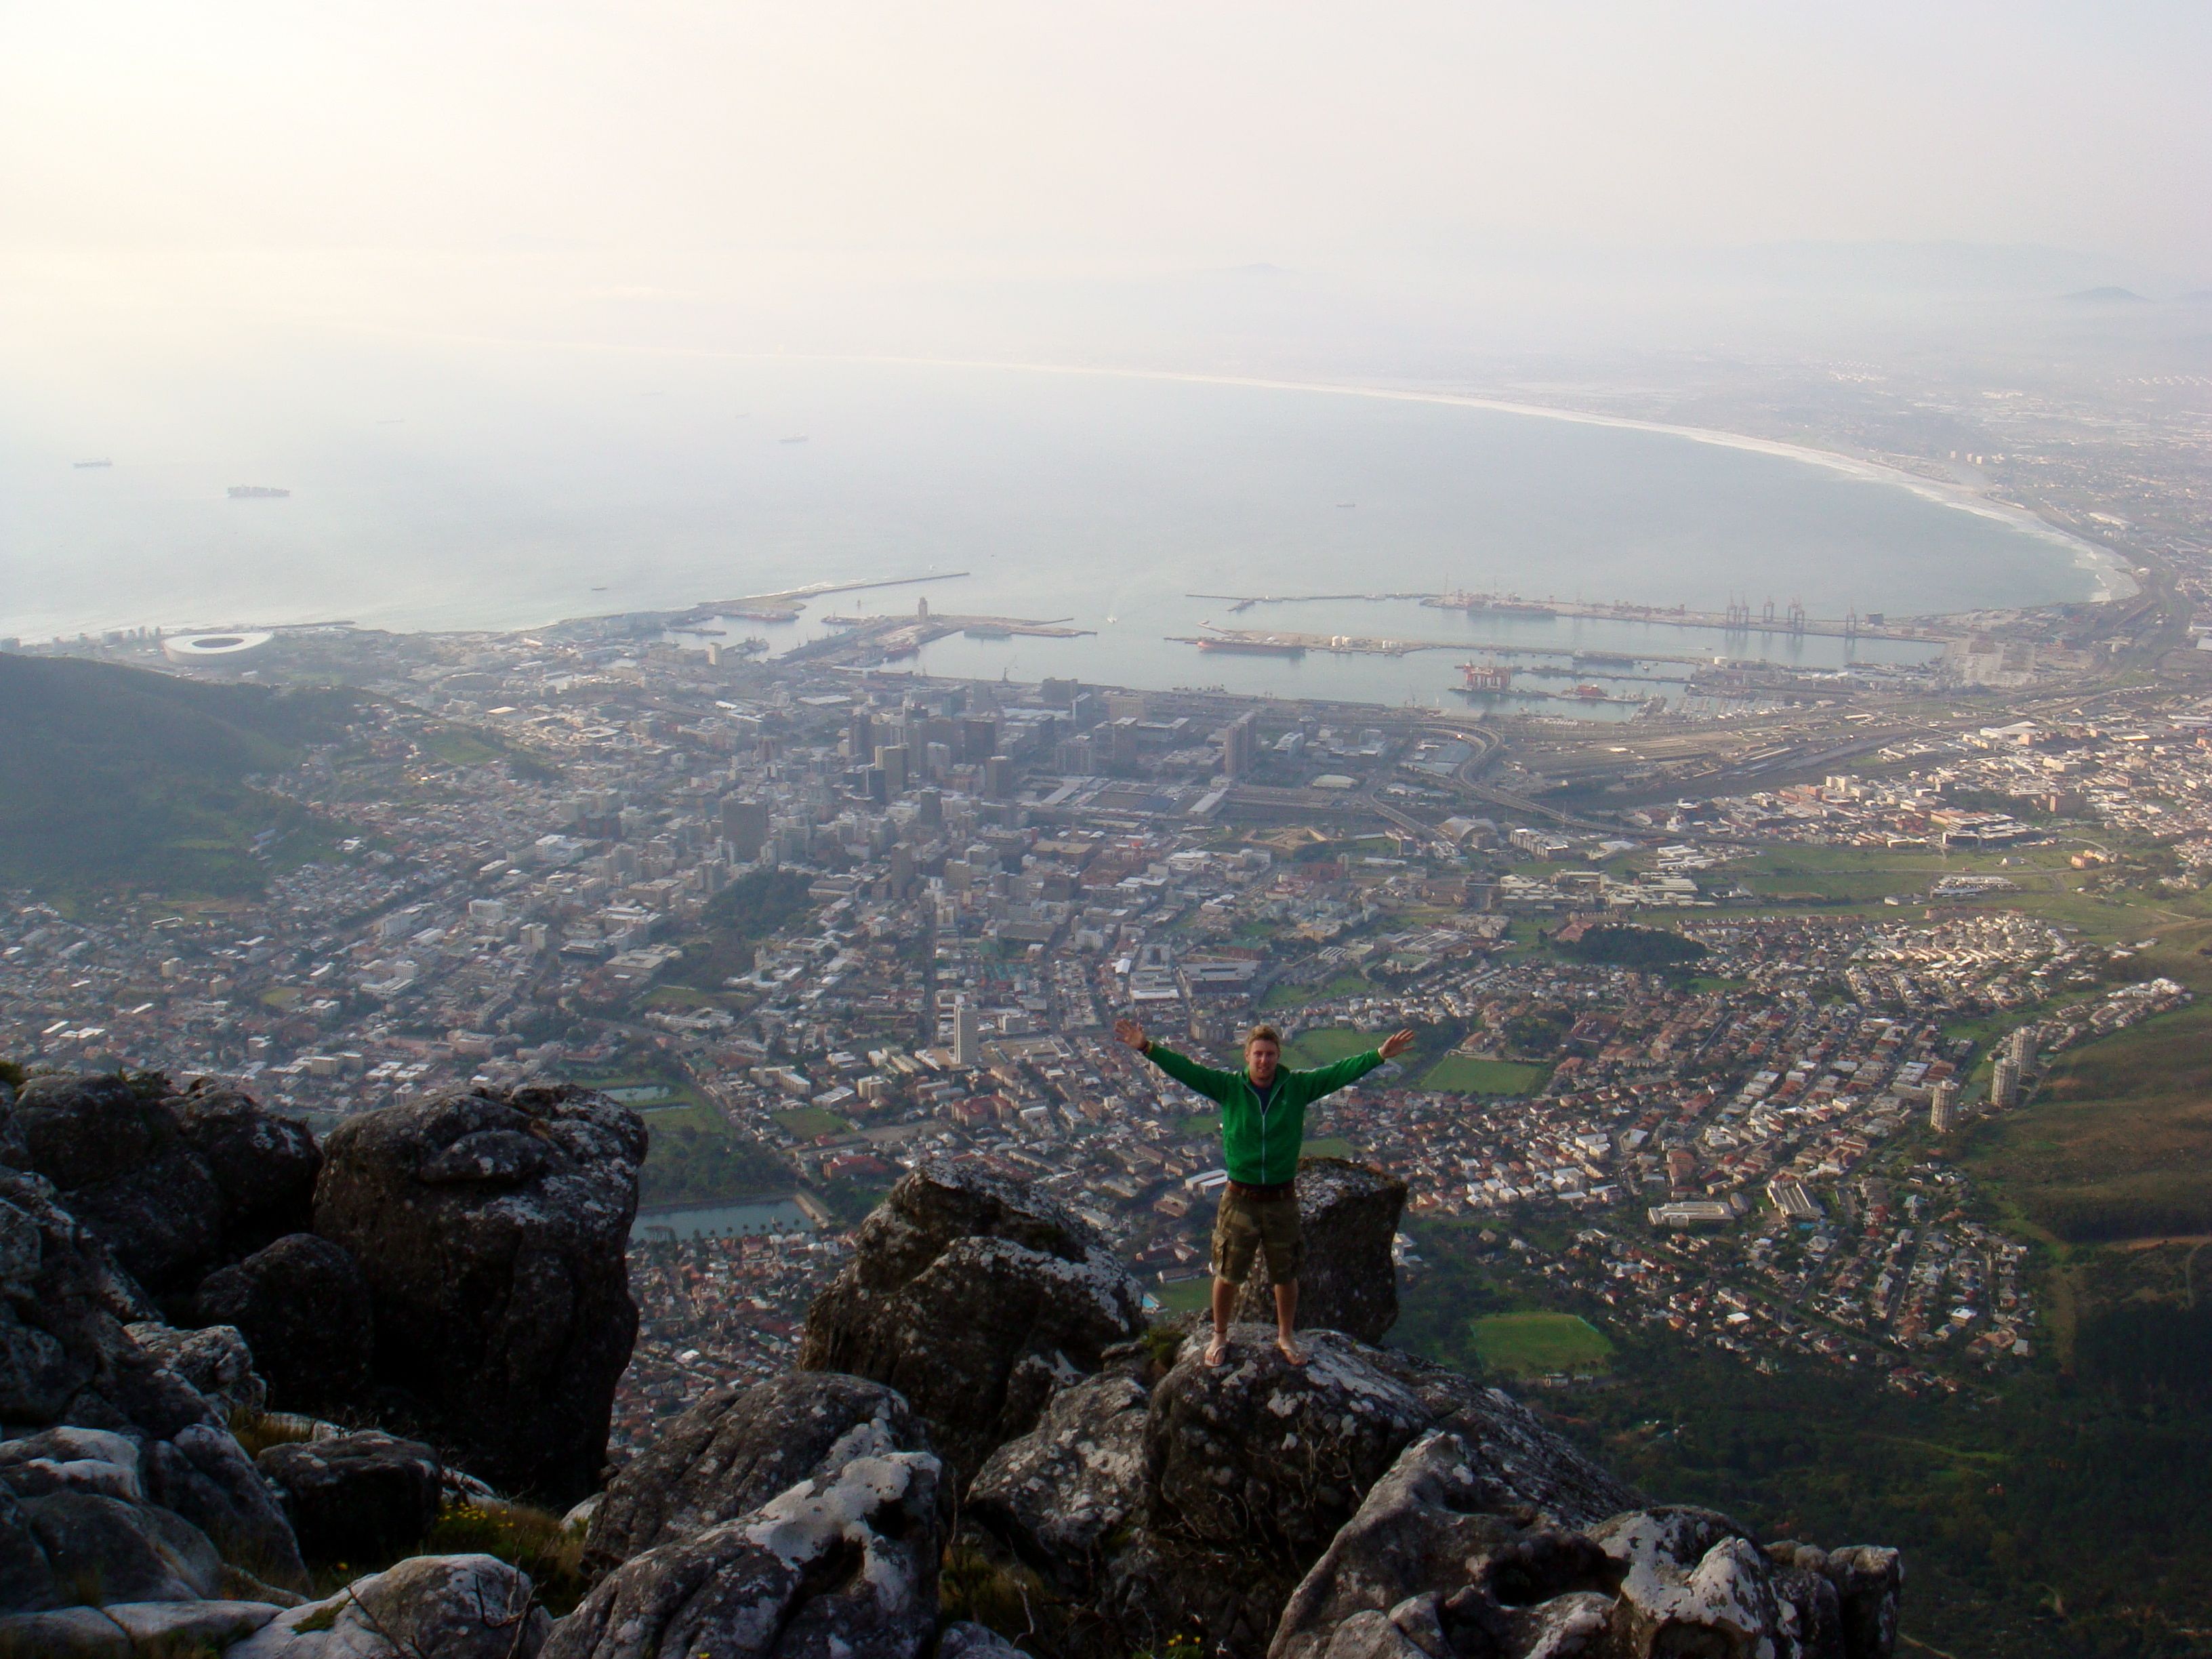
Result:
{"points": [[83, 463], [256, 492]]}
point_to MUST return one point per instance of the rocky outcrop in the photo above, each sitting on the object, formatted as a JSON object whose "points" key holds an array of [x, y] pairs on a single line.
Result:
{"points": [[172, 1184], [116, 1152], [361, 1497], [1058, 1494], [1433, 1566], [1348, 1215], [264, 1166], [739, 1448], [433, 1607], [845, 1564], [492, 1231], [214, 1359], [975, 1298], [303, 1307], [1198, 1505]]}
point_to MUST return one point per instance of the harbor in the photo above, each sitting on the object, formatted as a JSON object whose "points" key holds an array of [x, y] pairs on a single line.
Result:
{"points": [[1787, 619]]}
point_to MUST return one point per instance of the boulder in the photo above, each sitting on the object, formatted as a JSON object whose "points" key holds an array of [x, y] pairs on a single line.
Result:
{"points": [[264, 1166], [1348, 1214], [962, 1639], [359, 1497], [114, 1149], [214, 1359], [432, 1607], [975, 1297], [125, 1630], [1433, 1564], [104, 1549], [303, 1307], [64, 1354], [1056, 1496], [736, 1448], [492, 1228], [1270, 1456], [200, 1476], [840, 1567]]}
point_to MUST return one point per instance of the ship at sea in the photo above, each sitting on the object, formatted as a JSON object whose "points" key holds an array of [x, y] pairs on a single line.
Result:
{"points": [[100, 463], [256, 492]]}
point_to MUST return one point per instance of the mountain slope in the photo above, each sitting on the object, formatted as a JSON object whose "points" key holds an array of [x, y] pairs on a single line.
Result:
{"points": [[113, 777]]}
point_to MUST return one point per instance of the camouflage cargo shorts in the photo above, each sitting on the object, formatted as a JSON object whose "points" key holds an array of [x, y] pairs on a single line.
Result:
{"points": [[1247, 1220]]}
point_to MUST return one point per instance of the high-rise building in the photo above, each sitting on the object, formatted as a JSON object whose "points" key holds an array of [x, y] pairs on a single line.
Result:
{"points": [[967, 1036], [2019, 1046], [998, 777], [2004, 1084], [745, 826], [979, 738], [1238, 745], [892, 762], [1943, 1106]]}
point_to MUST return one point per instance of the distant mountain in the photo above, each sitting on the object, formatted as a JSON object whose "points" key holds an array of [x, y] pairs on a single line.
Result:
{"points": [[114, 778], [2107, 295]]}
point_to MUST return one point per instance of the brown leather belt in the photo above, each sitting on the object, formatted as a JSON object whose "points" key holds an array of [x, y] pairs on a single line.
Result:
{"points": [[1278, 1189]]}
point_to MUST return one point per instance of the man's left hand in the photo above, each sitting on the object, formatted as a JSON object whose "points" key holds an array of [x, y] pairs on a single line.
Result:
{"points": [[1396, 1044]]}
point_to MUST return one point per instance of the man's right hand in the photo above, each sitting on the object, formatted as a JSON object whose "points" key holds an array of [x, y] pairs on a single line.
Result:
{"points": [[1132, 1033]]}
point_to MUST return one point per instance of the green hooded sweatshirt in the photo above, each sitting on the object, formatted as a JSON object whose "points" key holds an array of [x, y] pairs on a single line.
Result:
{"points": [[1262, 1134]]}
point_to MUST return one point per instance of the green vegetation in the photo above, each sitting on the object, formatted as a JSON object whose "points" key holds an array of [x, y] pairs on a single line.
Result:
{"points": [[1330, 1147], [808, 1122], [748, 909], [1461, 1074], [1635, 947], [531, 1539], [1539, 1343], [1286, 995], [1185, 1295], [119, 778]]}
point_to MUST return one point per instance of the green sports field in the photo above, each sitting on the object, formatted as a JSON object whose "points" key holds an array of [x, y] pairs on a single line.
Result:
{"points": [[1539, 1343]]}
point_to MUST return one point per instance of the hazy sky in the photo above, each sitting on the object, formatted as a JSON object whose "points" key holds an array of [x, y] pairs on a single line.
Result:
{"points": [[990, 134]]}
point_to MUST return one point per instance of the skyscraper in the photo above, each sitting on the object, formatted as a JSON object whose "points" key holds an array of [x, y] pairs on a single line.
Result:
{"points": [[967, 1036], [745, 826], [2004, 1084], [1943, 1106]]}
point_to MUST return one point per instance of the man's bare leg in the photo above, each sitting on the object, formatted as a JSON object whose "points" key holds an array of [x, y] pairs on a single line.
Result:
{"points": [[1286, 1322], [1225, 1303]]}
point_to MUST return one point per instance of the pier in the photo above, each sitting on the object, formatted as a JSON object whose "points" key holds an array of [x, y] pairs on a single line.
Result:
{"points": [[1739, 617]]}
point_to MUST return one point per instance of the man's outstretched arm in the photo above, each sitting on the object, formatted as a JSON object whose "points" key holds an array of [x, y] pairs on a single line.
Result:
{"points": [[1213, 1085], [1327, 1080]]}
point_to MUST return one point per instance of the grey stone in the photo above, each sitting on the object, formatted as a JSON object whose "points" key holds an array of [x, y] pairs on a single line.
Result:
{"points": [[264, 1166], [840, 1568], [736, 1448], [975, 1298], [214, 1359], [64, 1633], [67, 1459], [962, 1639], [359, 1497], [1056, 1495], [204, 1475], [303, 1306], [101, 1549], [1348, 1215], [503, 1313], [175, 1626], [116, 1151], [432, 1607], [26, 1580]]}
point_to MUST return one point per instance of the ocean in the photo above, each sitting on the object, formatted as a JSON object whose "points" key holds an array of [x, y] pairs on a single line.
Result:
{"points": [[501, 487]]}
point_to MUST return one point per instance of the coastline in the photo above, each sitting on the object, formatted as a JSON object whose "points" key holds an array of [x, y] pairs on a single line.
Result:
{"points": [[2113, 574]]}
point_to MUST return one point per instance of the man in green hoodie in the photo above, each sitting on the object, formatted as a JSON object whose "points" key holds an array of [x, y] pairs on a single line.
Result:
{"points": [[1263, 1126]]}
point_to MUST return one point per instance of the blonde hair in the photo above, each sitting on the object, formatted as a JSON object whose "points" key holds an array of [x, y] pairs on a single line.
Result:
{"points": [[1263, 1034]]}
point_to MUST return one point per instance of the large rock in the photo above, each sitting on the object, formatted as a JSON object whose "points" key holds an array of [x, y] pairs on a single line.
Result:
{"points": [[736, 1448], [1348, 1214], [492, 1229], [1435, 1564], [116, 1151], [361, 1497], [433, 1607], [1056, 1496], [303, 1306], [64, 1353], [841, 1567], [264, 1166], [214, 1359], [976, 1298]]}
